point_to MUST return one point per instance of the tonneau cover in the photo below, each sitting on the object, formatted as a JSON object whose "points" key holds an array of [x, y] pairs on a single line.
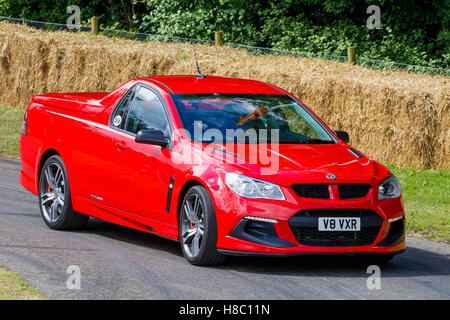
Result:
{"points": [[89, 103]]}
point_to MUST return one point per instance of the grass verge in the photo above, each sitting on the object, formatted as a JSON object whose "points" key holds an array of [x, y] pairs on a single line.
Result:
{"points": [[426, 197], [10, 126], [12, 287], [385, 112], [426, 193]]}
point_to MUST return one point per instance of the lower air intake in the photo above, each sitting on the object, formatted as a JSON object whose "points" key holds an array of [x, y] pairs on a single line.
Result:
{"points": [[304, 226]]}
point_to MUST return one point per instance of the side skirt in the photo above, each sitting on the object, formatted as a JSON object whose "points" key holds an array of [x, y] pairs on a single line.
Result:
{"points": [[123, 218]]}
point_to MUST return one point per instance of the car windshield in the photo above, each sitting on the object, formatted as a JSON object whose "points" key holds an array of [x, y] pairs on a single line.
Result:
{"points": [[249, 118]]}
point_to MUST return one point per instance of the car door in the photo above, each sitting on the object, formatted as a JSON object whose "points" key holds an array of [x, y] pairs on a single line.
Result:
{"points": [[141, 173]]}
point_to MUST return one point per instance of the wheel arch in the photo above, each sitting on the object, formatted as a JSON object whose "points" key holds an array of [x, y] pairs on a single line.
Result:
{"points": [[192, 182], [186, 187], [45, 156], [210, 256]]}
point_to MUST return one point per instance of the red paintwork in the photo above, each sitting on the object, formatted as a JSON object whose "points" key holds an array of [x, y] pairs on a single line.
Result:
{"points": [[133, 183], [82, 102]]}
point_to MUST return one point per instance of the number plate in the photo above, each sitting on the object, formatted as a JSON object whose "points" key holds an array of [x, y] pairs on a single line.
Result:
{"points": [[339, 224]]}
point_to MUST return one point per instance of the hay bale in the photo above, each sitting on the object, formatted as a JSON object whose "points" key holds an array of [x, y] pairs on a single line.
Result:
{"points": [[394, 117]]}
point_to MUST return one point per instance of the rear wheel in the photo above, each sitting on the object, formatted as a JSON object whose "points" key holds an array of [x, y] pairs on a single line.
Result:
{"points": [[55, 200], [198, 228]]}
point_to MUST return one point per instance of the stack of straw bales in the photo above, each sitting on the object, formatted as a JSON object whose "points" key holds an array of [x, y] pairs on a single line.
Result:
{"points": [[394, 117]]}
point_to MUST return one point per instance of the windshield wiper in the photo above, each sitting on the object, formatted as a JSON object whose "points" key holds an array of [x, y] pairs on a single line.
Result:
{"points": [[299, 141], [248, 140], [317, 141]]}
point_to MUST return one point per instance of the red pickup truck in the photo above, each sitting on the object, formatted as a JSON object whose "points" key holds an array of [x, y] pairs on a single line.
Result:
{"points": [[225, 166]]}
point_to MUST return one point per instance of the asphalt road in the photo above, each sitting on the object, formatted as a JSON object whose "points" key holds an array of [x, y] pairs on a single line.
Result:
{"points": [[119, 263]]}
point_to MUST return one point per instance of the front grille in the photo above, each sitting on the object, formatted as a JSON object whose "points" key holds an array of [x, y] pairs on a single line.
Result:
{"points": [[320, 190], [312, 190], [353, 190], [304, 226], [310, 236]]}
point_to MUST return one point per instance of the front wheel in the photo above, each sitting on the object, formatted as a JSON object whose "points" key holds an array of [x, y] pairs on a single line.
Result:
{"points": [[55, 200], [198, 228]]}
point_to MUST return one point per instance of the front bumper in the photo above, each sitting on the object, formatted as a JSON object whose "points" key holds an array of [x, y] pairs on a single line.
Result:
{"points": [[294, 254], [280, 238]]}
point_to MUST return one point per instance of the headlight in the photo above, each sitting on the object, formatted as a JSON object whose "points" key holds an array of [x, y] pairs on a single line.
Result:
{"points": [[253, 188], [390, 188]]}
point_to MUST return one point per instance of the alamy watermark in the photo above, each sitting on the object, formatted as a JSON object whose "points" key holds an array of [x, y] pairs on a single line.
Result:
{"points": [[235, 146], [74, 280], [374, 20], [74, 21], [374, 281]]}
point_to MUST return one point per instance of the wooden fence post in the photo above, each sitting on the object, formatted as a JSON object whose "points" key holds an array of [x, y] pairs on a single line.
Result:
{"points": [[95, 25], [218, 38], [351, 54]]}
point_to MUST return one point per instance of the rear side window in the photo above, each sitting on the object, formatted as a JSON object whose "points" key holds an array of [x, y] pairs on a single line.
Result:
{"points": [[119, 116], [147, 113]]}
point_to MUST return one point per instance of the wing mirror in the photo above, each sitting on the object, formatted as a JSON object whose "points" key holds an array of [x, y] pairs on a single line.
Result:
{"points": [[155, 137], [343, 135]]}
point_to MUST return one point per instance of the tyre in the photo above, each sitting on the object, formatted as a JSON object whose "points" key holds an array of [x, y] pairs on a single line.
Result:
{"points": [[54, 197], [198, 228]]}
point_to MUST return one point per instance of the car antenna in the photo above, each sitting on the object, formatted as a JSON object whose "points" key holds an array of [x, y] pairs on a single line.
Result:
{"points": [[199, 74]]}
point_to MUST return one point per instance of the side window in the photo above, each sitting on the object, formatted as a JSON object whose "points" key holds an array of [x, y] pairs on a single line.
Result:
{"points": [[118, 118], [147, 113]]}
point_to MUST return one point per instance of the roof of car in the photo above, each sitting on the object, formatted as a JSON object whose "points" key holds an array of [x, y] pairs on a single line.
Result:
{"points": [[212, 84]]}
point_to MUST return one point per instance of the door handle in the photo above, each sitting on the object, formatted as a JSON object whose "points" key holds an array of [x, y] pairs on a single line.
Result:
{"points": [[121, 145]]}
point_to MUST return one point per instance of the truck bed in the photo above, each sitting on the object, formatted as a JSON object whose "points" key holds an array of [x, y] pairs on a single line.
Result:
{"points": [[90, 103]]}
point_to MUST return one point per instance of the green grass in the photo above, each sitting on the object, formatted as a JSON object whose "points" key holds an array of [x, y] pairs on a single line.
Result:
{"points": [[426, 196], [10, 126], [426, 193], [12, 287]]}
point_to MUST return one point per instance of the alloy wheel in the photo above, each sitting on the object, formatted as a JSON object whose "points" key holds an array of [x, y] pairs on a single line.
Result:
{"points": [[192, 225], [53, 192]]}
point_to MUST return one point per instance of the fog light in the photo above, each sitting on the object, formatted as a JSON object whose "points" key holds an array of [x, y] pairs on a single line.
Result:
{"points": [[395, 219], [396, 232], [261, 219], [259, 230]]}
